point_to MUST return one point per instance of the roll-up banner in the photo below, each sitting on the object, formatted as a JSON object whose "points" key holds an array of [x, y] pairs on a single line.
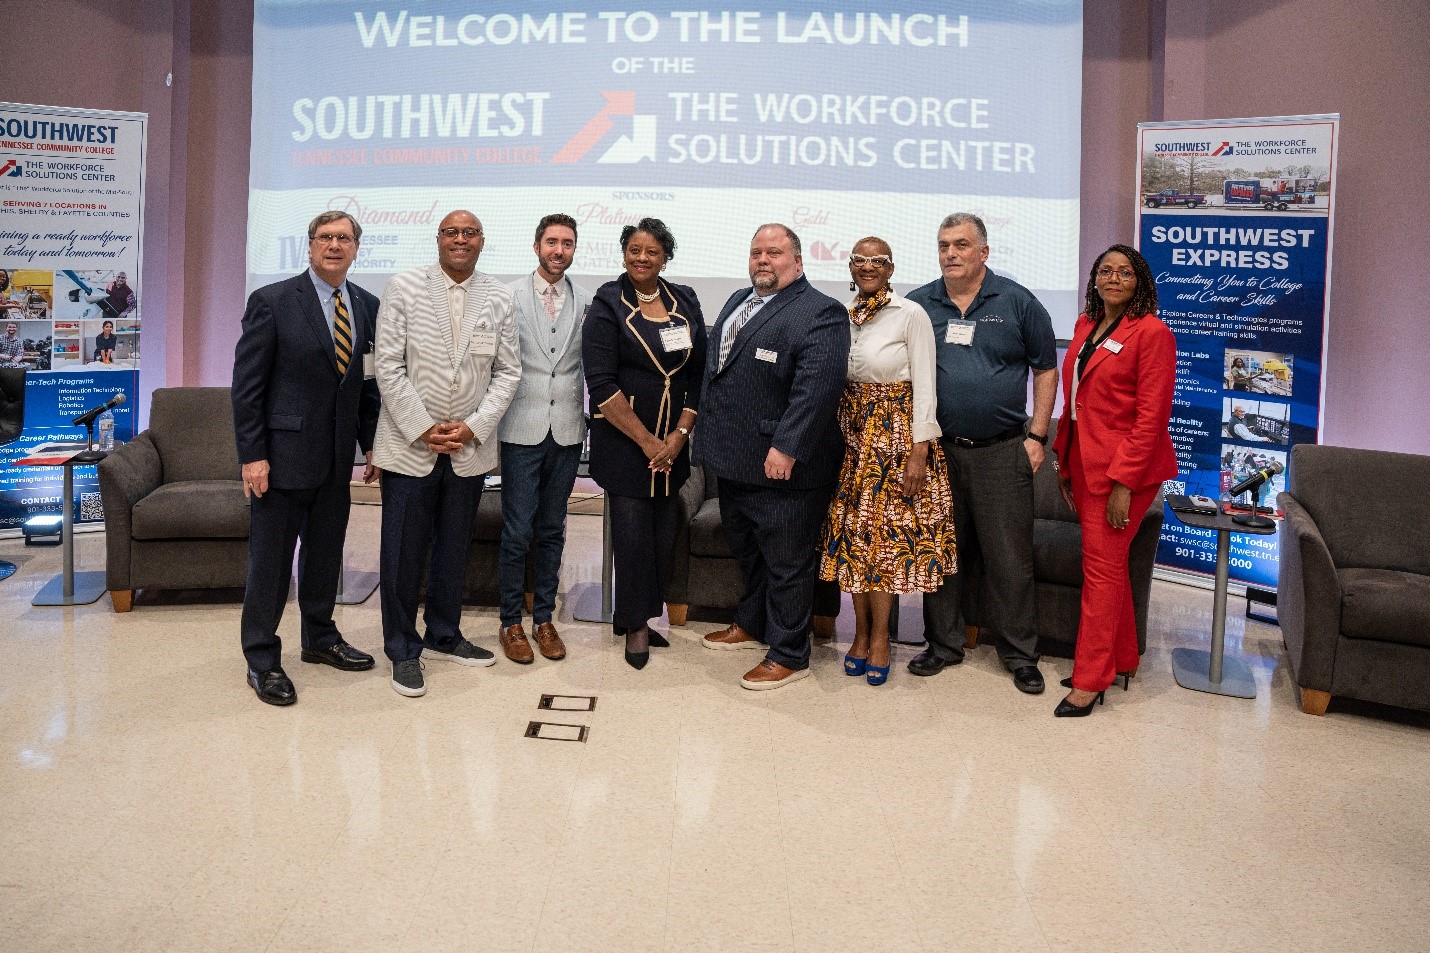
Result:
{"points": [[71, 230], [1235, 218]]}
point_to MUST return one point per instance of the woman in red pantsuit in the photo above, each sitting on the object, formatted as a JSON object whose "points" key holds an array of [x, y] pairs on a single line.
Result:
{"points": [[1113, 452]]}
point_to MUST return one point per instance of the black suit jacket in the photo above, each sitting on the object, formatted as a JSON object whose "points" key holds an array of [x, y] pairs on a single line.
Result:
{"points": [[780, 388], [290, 407]]}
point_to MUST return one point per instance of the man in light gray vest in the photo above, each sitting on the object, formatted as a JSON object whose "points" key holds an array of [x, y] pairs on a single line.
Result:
{"points": [[541, 437]]}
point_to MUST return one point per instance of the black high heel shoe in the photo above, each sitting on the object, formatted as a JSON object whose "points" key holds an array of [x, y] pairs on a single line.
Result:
{"points": [[1125, 676], [1067, 709], [638, 660]]}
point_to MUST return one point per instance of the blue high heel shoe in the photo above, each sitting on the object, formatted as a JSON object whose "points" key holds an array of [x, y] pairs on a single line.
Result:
{"points": [[875, 675], [854, 667]]}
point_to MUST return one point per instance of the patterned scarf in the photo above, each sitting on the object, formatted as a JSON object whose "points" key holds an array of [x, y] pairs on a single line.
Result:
{"points": [[865, 308]]}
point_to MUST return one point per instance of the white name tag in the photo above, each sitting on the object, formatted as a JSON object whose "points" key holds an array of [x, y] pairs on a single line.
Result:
{"points": [[484, 343], [763, 355], [1113, 346], [675, 339], [369, 366], [960, 332]]}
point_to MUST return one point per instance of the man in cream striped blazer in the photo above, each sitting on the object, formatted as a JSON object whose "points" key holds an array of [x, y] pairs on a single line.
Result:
{"points": [[448, 365]]}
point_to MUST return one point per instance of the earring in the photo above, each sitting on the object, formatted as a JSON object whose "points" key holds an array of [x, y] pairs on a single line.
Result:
{"points": [[852, 285]]}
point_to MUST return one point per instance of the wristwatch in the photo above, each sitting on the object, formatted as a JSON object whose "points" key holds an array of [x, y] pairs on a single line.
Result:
{"points": [[685, 431], [1041, 438]]}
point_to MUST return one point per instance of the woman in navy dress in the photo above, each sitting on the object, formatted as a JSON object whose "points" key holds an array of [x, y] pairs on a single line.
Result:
{"points": [[643, 347]]}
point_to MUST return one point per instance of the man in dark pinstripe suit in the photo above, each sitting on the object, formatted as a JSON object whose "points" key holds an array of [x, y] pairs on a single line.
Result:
{"points": [[768, 429]]}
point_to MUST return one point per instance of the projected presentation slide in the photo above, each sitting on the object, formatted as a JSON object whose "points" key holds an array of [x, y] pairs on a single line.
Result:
{"points": [[841, 120]]}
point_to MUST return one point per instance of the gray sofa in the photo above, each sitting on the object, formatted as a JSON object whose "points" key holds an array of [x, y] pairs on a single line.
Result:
{"points": [[1354, 579], [175, 516]]}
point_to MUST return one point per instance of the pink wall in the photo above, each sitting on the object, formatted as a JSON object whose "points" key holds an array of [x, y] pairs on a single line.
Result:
{"points": [[1168, 59]]}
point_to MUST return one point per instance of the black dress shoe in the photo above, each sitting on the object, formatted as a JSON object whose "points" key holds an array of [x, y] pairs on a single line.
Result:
{"points": [[1028, 679], [928, 662], [340, 656], [272, 687]]}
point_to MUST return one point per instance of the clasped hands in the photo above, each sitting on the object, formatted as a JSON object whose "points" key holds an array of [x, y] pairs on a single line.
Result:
{"points": [[447, 436], [662, 453]]}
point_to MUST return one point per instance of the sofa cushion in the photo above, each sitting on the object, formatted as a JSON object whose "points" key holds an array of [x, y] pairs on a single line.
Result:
{"points": [[706, 537], [1386, 605], [1057, 552], [194, 509], [487, 525]]}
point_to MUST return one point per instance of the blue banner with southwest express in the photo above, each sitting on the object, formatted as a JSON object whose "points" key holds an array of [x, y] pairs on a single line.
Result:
{"points": [[1235, 221]]}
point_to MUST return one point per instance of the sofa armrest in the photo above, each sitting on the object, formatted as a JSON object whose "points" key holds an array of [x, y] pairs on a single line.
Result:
{"points": [[126, 476], [687, 504], [1308, 601]]}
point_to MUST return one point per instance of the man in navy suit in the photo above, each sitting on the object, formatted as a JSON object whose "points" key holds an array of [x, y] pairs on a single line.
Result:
{"points": [[768, 428], [304, 396]]}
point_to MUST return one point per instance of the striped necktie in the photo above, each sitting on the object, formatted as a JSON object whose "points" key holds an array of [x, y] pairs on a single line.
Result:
{"points": [[342, 332], [732, 330]]}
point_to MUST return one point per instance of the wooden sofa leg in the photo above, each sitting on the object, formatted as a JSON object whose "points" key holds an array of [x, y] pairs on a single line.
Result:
{"points": [[970, 636], [530, 600], [823, 627], [1314, 701], [676, 612], [123, 599]]}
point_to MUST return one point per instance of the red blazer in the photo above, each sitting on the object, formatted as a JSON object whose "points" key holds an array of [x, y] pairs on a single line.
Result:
{"points": [[1124, 405]]}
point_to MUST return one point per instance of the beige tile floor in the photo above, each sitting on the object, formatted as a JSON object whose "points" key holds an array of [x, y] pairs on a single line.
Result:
{"points": [[150, 802]]}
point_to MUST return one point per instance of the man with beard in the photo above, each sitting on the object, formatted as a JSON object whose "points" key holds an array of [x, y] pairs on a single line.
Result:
{"points": [[769, 430], [541, 437]]}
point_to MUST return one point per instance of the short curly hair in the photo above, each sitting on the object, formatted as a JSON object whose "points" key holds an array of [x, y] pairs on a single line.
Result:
{"points": [[656, 229]]}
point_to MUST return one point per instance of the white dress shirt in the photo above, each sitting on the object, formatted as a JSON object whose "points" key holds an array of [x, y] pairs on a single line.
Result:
{"points": [[897, 344]]}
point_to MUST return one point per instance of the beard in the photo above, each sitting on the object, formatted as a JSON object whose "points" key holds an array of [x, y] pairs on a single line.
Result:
{"points": [[764, 281]]}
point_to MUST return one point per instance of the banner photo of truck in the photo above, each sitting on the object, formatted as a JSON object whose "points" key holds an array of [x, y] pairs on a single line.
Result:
{"points": [[1243, 282], [1279, 194]]}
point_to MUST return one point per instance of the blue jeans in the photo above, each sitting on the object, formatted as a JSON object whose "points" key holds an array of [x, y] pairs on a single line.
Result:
{"points": [[536, 484]]}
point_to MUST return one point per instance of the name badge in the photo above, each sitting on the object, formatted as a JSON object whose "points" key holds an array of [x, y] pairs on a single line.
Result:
{"points": [[484, 343], [763, 355], [675, 338], [369, 366], [1113, 346], [960, 332]]}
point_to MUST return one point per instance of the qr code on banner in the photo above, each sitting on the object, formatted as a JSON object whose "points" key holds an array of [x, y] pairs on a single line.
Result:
{"points": [[90, 507]]}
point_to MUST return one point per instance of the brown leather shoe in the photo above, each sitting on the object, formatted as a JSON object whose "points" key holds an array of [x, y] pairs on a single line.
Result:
{"points": [[549, 642], [514, 644], [731, 639], [769, 674]]}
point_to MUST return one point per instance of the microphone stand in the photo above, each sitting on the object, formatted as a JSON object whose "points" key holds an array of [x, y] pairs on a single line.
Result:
{"points": [[1254, 519], [89, 455]]}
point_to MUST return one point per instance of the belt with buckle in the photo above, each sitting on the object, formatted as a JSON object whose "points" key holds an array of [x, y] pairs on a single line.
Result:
{"points": [[1003, 437]]}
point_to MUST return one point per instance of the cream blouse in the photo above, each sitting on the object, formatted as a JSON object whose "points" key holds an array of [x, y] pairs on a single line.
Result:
{"points": [[897, 345]]}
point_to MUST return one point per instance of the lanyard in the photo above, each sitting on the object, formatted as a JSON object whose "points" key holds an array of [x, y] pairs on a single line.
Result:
{"points": [[1095, 341]]}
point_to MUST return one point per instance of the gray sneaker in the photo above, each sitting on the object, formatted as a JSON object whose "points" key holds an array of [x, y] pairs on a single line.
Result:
{"points": [[407, 678], [463, 653]]}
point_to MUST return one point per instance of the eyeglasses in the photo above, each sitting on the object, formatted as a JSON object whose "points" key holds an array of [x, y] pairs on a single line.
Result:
{"points": [[453, 232], [1123, 274], [327, 238], [881, 261]]}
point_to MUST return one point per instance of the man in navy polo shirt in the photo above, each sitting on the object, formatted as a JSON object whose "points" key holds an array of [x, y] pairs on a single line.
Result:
{"points": [[990, 331]]}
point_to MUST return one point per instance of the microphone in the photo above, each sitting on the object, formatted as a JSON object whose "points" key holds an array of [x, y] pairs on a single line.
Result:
{"points": [[1257, 478], [86, 418]]}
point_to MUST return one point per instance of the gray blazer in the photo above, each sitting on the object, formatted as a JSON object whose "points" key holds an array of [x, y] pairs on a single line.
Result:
{"points": [[426, 377], [548, 399]]}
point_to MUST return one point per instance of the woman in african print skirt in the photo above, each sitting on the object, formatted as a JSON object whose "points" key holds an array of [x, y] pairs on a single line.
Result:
{"points": [[890, 527]]}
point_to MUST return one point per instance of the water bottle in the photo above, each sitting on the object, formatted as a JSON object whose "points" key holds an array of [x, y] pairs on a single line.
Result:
{"points": [[106, 431]]}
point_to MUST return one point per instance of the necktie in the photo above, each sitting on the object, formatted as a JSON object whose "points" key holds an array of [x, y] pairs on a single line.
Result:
{"points": [[727, 342], [342, 332], [548, 297]]}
